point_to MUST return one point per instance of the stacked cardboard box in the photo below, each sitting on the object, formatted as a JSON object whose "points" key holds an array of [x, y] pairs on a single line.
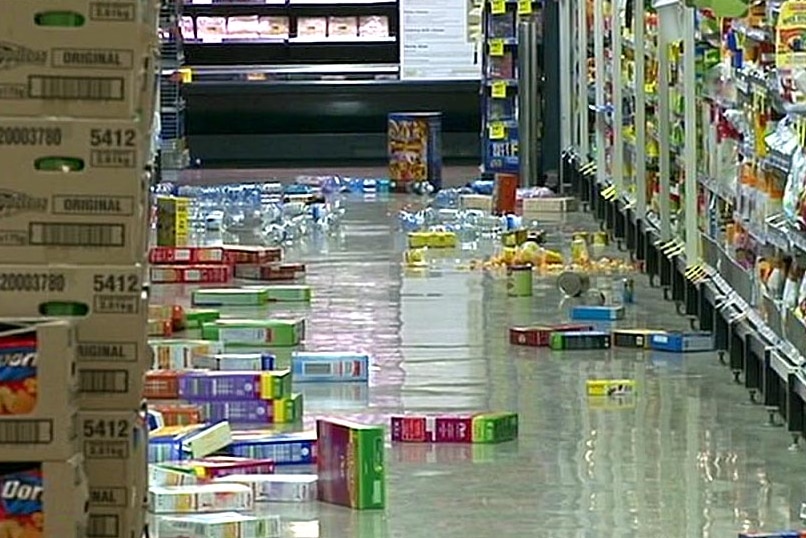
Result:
{"points": [[77, 92]]}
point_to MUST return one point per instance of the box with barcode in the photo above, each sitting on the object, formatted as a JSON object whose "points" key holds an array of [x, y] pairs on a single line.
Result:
{"points": [[683, 342], [73, 192], [294, 448], [313, 366], [44, 499], [190, 274], [115, 449], [77, 59], [579, 340], [180, 354], [220, 525], [255, 332], [277, 487], [634, 338], [111, 311], [187, 255], [38, 390], [173, 221]]}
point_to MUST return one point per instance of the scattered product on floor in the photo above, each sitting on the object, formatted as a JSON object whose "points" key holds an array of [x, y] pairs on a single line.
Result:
{"points": [[474, 428], [610, 387]]}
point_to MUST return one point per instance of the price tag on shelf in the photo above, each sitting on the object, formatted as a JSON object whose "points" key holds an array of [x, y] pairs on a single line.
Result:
{"points": [[499, 89], [524, 7], [498, 131], [498, 7], [496, 47]]}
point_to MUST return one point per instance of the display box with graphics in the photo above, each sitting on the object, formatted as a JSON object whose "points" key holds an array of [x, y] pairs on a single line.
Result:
{"points": [[111, 310], [115, 449], [78, 59], [38, 390], [73, 191], [44, 499]]}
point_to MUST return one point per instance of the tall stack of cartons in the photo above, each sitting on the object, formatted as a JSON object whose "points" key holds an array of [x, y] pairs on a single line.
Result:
{"points": [[77, 92]]}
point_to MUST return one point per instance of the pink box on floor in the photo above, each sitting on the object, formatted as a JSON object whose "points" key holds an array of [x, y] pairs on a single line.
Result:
{"points": [[445, 429]]}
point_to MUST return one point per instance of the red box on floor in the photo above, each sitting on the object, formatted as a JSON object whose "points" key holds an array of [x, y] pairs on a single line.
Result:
{"points": [[253, 255], [270, 271], [187, 255], [432, 429], [538, 336], [190, 274]]}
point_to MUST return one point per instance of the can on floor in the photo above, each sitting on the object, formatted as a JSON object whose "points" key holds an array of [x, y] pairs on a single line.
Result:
{"points": [[627, 291], [573, 284], [519, 281], [414, 142]]}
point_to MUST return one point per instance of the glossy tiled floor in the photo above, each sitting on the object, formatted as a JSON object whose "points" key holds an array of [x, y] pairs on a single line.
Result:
{"points": [[692, 458]]}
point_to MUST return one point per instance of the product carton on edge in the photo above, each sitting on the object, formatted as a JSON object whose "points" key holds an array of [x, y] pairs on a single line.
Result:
{"points": [[38, 391], [53, 492], [99, 67], [111, 309], [93, 211], [115, 447], [350, 464]]}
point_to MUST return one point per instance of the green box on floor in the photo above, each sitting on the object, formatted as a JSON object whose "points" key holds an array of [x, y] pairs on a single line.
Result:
{"points": [[230, 297], [275, 384], [196, 317], [351, 464], [289, 294], [495, 427], [579, 340], [288, 410], [255, 332]]}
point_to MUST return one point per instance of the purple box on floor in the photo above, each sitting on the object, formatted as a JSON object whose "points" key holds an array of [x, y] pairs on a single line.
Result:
{"points": [[240, 412], [204, 386]]}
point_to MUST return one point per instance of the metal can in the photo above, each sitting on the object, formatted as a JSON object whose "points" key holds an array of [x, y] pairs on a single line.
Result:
{"points": [[627, 291], [519, 281]]}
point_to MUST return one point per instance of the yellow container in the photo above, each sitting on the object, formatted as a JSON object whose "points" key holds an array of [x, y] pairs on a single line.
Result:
{"points": [[610, 387], [418, 239]]}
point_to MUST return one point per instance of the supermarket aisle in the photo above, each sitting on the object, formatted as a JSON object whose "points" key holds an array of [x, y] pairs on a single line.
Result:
{"points": [[692, 458]]}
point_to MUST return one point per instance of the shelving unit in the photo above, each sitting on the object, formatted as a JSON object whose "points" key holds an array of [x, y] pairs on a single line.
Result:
{"points": [[703, 182], [174, 155], [500, 104]]}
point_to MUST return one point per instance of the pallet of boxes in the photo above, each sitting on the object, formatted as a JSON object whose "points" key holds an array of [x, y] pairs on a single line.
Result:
{"points": [[77, 90]]}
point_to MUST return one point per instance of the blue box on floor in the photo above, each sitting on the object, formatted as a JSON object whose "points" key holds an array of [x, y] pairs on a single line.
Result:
{"points": [[313, 366], [597, 313], [783, 534], [682, 342]]}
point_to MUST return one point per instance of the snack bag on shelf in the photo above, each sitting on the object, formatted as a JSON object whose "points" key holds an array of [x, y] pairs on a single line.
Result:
{"points": [[794, 187]]}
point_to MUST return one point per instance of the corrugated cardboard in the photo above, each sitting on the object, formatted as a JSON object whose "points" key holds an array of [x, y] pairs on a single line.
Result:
{"points": [[52, 492], [112, 350], [115, 444], [38, 390], [92, 215], [98, 69]]}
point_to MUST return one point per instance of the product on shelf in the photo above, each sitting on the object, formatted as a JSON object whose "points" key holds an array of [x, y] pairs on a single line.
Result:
{"points": [[373, 26], [342, 26], [188, 28], [274, 27], [312, 27], [243, 27], [211, 29], [501, 67]]}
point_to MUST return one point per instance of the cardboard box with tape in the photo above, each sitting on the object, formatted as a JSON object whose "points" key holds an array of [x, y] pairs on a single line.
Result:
{"points": [[73, 191], [77, 58], [110, 307], [38, 390], [115, 448]]}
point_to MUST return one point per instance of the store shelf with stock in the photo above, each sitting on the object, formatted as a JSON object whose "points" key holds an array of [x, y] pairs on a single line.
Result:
{"points": [[715, 273]]}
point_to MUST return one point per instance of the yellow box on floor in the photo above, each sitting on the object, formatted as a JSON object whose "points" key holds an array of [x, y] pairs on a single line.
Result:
{"points": [[432, 239], [44, 499], [111, 310], [38, 390], [77, 58], [73, 191], [115, 446]]}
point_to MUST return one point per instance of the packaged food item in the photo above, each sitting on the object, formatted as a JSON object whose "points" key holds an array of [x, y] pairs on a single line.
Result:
{"points": [[242, 332], [579, 340], [173, 221], [160, 475], [597, 313], [297, 448], [342, 27], [253, 255], [682, 342], [610, 387], [200, 498], [40, 500], [634, 338], [177, 443], [278, 487], [501, 25], [236, 362], [313, 366], [230, 296], [243, 27], [190, 274], [196, 317], [501, 67], [178, 414], [274, 27], [245, 385], [215, 467], [270, 272], [289, 294], [38, 390], [211, 29], [473, 428], [188, 28], [162, 384], [373, 26], [179, 354], [219, 525], [286, 410], [187, 256], [312, 27], [351, 464], [539, 336]]}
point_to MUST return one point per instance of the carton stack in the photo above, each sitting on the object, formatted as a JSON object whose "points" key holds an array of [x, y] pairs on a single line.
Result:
{"points": [[77, 92]]}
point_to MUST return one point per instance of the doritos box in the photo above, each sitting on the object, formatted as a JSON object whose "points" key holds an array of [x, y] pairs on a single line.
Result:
{"points": [[38, 390], [350, 464], [114, 444], [44, 499]]}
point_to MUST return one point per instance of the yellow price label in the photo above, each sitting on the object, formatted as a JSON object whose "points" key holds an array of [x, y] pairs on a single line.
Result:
{"points": [[498, 131], [499, 90], [498, 7], [524, 7], [186, 75], [496, 47]]}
